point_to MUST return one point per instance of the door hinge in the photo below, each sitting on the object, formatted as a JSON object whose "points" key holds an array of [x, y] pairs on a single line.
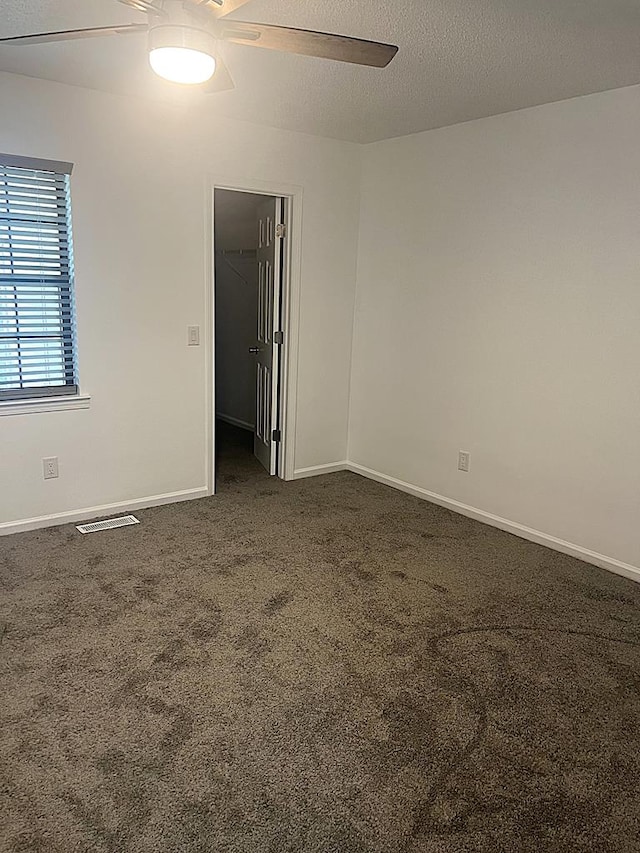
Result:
{"points": [[278, 337], [276, 435], [281, 230]]}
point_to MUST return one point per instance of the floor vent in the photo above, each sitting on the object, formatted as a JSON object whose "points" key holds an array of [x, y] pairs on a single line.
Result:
{"points": [[109, 524]]}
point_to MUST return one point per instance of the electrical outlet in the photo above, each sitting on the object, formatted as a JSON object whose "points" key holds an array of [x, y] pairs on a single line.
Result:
{"points": [[193, 336], [50, 468], [464, 461]]}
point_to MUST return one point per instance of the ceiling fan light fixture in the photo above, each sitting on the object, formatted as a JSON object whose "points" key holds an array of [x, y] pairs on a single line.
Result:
{"points": [[182, 54], [182, 64]]}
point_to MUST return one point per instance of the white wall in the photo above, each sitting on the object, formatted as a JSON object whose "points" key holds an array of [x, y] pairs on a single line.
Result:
{"points": [[498, 306], [139, 193], [498, 311], [236, 292]]}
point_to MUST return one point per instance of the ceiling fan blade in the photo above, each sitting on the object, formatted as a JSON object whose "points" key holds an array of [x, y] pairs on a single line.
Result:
{"points": [[142, 5], [309, 43], [68, 35], [218, 8], [222, 81]]}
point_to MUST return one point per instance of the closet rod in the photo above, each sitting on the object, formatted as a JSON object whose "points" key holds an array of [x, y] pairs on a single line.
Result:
{"points": [[240, 252]]}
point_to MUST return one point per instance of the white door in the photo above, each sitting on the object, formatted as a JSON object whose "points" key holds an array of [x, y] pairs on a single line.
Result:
{"points": [[269, 334]]}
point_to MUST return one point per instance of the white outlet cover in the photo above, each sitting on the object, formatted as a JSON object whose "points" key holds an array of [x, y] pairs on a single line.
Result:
{"points": [[50, 468]]}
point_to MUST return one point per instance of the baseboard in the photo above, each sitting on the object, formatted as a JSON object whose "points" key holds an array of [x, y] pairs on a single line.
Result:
{"points": [[318, 470], [23, 525], [584, 554], [235, 422]]}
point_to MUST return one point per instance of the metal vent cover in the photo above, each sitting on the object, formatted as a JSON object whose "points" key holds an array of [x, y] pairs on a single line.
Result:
{"points": [[108, 524]]}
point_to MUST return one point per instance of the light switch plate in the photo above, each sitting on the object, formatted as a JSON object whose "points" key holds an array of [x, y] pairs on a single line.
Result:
{"points": [[193, 336]]}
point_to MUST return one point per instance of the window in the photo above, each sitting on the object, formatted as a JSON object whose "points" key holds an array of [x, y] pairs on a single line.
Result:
{"points": [[37, 326]]}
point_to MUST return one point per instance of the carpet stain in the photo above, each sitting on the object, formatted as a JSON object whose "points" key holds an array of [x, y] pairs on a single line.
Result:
{"points": [[277, 602]]}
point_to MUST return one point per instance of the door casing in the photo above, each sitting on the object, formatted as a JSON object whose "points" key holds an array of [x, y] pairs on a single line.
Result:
{"points": [[291, 277]]}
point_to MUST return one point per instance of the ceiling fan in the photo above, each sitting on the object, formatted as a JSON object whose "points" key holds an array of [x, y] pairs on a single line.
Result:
{"points": [[183, 34]]}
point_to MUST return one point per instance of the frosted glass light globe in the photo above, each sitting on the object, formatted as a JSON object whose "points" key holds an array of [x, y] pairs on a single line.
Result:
{"points": [[182, 64]]}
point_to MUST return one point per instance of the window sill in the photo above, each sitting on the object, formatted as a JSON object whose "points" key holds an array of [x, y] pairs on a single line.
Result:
{"points": [[44, 404]]}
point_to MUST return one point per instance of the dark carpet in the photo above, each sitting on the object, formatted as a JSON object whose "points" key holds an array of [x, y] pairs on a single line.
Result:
{"points": [[326, 665]]}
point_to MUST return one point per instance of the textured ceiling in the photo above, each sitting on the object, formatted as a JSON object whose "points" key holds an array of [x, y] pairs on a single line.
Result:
{"points": [[458, 59]]}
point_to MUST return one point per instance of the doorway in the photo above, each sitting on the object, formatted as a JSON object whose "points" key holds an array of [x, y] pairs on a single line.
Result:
{"points": [[250, 265]]}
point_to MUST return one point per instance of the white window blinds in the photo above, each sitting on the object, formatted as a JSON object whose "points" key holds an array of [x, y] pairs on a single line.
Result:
{"points": [[37, 333]]}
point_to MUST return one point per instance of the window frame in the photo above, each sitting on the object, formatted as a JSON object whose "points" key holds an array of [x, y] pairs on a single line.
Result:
{"points": [[66, 395]]}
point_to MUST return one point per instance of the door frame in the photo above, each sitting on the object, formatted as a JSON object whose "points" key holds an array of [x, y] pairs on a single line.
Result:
{"points": [[291, 281]]}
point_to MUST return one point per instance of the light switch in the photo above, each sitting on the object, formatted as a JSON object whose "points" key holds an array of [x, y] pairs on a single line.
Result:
{"points": [[193, 336]]}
